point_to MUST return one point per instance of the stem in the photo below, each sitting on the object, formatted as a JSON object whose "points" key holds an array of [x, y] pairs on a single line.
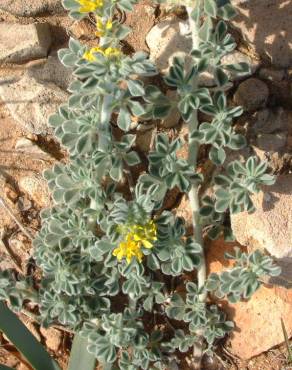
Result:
{"points": [[195, 203], [192, 159]]}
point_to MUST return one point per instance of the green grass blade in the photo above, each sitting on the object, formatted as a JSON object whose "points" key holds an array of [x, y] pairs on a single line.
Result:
{"points": [[24, 341], [80, 358], [289, 350], [3, 367]]}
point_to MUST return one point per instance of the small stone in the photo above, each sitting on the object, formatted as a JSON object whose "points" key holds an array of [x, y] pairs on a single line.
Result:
{"points": [[51, 70], [174, 116], [10, 193], [279, 85], [270, 226], [83, 30], [38, 101], [184, 210], [238, 57], [267, 121], [252, 94], [258, 320], [270, 74], [53, 338], [30, 8], [20, 43], [36, 188], [145, 139], [168, 39], [272, 142], [27, 146]]}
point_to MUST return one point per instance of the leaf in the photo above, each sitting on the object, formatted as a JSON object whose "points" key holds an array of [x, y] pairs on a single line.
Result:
{"points": [[3, 367], [124, 119], [221, 77], [136, 88], [24, 341], [80, 358], [132, 158], [217, 155], [210, 8]]}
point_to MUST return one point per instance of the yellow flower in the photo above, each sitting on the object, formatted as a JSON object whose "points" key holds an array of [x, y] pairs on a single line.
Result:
{"points": [[135, 237], [145, 234], [88, 6], [128, 249], [108, 52], [102, 28]]}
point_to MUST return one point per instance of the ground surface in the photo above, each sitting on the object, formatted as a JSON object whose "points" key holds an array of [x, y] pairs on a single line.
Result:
{"points": [[14, 165]]}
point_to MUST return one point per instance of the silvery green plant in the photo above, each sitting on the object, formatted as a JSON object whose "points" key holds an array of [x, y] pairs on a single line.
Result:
{"points": [[112, 257]]}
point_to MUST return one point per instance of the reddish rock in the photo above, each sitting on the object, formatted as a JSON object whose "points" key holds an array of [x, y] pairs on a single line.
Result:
{"points": [[257, 321]]}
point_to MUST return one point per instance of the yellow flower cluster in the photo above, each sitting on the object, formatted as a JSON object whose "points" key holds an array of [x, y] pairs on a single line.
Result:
{"points": [[108, 52], [88, 6], [103, 27], [135, 237]]}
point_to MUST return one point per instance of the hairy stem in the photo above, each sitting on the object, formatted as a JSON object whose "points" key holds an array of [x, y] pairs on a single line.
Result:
{"points": [[194, 201]]}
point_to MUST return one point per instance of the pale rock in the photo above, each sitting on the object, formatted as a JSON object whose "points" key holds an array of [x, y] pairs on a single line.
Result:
{"points": [[30, 8], [83, 30], [53, 338], [36, 188], [168, 39], [51, 70], [258, 320], [20, 43], [238, 57], [270, 226], [266, 28], [31, 103], [252, 94], [184, 210], [27, 146]]}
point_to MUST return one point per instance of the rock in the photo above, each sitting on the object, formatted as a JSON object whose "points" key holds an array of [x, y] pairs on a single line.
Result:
{"points": [[51, 70], [270, 226], [258, 320], [10, 192], [27, 146], [168, 39], [252, 94], [258, 323], [268, 121], [145, 139], [238, 57], [31, 103], [53, 338], [174, 116], [266, 27], [184, 210], [278, 81], [36, 188], [83, 30], [275, 149], [272, 142], [30, 8], [19, 43]]}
